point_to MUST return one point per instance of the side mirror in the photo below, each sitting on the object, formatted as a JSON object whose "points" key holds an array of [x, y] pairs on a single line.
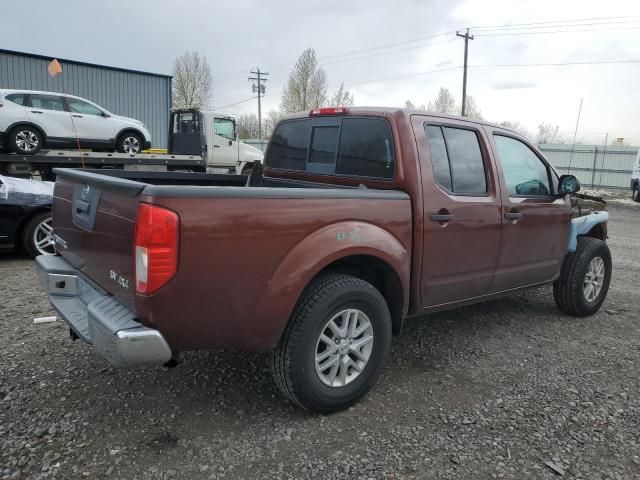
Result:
{"points": [[105, 115], [568, 184], [230, 142]]}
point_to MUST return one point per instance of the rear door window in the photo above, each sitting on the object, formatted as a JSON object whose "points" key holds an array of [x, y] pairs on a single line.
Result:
{"points": [[456, 159], [19, 98], [47, 102], [348, 146]]}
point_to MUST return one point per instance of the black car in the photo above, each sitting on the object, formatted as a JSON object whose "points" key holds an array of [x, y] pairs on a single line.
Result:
{"points": [[25, 215]]}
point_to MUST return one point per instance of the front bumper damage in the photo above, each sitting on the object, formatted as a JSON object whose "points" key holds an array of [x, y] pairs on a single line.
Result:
{"points": [[97, 318]]}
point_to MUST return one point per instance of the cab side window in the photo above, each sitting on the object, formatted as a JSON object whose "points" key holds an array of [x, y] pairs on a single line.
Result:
{"points": [[525, 173], [225, 128], [456, 159]]}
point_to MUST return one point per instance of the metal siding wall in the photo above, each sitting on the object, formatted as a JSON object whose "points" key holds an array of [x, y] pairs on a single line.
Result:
{"points": [[137, 95], [613, 165]]}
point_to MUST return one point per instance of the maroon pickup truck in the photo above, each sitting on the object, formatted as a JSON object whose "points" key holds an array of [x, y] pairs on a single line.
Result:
{"points": [[359, 219]]}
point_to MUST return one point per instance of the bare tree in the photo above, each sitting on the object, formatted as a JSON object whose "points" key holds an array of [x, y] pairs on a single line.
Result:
{"points": [[307, 85], [471, 109], [411, 106], [191, 81], [270, 123], [443, 103], [517, 127], [247, 126], [342, 98], [547, 133]]}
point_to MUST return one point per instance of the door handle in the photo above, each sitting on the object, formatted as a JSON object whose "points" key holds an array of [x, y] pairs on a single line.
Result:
{"points": [[441, 217], [513, 215], [216, 146], [36, 111], [77, 116]]}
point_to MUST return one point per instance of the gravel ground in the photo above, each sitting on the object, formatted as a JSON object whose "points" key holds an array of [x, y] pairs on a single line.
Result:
{"points": [[506, 389]]}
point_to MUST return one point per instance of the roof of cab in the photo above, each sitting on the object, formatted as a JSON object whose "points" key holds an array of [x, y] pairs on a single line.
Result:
{"points": [[392, 111]]}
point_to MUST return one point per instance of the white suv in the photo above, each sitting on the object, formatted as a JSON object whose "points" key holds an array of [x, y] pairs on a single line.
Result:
{"points": [[31, 120]]}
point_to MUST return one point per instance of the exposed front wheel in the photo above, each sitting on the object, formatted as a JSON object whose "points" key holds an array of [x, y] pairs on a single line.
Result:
{"points": [[636, 193], [335, 345], [130, 143], [37, 236], [584, 278]]}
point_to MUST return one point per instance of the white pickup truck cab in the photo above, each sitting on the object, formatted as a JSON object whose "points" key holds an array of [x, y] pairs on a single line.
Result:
{"points": [[635, 179], [212, 135]]}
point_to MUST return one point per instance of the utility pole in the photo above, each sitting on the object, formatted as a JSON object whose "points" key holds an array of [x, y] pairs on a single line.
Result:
{"points": [[259, 87], [466, 37], [573, 147]]}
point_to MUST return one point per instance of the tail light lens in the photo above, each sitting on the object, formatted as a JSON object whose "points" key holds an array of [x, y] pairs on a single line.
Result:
{"points": [[156, 247]]}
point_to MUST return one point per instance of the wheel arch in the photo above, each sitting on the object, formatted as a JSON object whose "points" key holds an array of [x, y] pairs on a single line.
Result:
{"points": [[28, 123], [366, 251], [126, 130]]}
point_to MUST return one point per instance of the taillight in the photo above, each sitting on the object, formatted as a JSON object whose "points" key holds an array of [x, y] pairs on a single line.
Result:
{"points": [[156, 247], [328, 111]]}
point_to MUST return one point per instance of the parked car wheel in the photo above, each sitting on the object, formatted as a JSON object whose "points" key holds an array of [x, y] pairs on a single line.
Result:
{"points": [[584, 278], [130, 143], [335, 344], [25, 140], [636, 193], [37, 236]]}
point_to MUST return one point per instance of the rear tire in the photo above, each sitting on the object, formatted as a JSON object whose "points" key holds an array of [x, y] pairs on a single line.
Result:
{"points": [[25, 140], [584, 279], [37, 236], [303, 364], [130, 142]]}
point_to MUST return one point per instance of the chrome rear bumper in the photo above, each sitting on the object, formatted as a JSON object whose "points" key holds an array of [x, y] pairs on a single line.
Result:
{"points": [[98, 318]]}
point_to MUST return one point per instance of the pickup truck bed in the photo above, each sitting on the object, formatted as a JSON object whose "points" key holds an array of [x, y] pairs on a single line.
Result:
{"points": [[236, 250]]}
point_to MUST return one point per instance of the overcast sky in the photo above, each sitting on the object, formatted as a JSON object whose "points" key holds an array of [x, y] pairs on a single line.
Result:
{"points": [[383, 50]]}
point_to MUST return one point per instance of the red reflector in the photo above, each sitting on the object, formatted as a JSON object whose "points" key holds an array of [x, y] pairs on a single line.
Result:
{"points": [[328, 111], [155, 247]]}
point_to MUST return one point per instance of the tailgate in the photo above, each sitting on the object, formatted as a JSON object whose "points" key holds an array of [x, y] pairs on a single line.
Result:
{"points": [[94, 222]]}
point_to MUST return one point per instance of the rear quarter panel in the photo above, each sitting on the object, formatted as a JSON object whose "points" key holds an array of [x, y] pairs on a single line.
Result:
{"points": [[243, 262]]}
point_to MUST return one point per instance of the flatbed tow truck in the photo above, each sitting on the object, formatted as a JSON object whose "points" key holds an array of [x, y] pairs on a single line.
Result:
{"points": [[199, 141]]}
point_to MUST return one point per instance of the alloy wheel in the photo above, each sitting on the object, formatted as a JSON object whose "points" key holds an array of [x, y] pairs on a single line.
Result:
{"points": [[26, 140], [344, 347], [593, 279], [131, 145], [43, 237]]}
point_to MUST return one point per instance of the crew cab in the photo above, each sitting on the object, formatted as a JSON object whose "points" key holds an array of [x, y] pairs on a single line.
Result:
{"points": [[361, 218]]}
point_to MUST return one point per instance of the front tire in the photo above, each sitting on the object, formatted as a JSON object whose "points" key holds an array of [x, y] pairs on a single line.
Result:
{"points": [[130, 143], [335, 344], [25, 140], [636, 193], [37, 236], [584, 278]]}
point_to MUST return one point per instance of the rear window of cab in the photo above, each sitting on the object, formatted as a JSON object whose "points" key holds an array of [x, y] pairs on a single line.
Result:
{"points": [[348, 146]]}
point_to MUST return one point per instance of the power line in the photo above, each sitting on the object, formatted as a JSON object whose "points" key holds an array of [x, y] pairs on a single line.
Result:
{"points": [[234, 104], [573, 25], [557, 31], [509, 25]]}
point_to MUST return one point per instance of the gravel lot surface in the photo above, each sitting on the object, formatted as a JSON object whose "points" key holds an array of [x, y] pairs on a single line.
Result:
{"points": [[507, 389]]}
